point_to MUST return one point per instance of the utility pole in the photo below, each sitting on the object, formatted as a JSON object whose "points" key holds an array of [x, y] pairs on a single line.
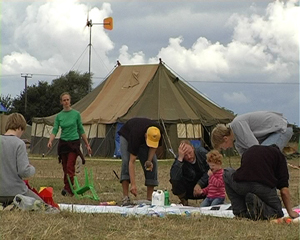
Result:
{"points": [[26, 75]]}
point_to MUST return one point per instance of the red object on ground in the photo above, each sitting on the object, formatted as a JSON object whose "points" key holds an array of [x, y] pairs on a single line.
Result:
{"points": [[46, 194]]}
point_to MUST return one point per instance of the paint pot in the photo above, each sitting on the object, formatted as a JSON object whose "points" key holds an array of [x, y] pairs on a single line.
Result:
{"points": [[158, 198]]}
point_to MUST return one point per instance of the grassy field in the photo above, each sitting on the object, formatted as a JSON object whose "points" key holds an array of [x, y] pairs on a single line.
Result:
{"points": [[66, 225]]}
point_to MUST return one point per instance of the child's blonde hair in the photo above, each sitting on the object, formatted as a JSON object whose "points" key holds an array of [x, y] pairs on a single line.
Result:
{"points": [[214, 156], [15, 121], [218, 134]]}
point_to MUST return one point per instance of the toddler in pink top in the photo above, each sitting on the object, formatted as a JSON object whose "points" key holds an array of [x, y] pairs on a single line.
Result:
{"points": [[215, 191]]}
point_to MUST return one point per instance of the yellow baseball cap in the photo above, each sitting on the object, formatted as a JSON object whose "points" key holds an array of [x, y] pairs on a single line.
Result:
{"points": [[153, 137]]}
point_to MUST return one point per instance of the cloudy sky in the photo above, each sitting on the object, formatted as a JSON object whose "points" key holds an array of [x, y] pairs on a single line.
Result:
{"points": [[243, 55]]}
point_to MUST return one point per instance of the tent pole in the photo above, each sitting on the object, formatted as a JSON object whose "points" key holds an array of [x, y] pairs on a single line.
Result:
{"points": [[171, 148]]}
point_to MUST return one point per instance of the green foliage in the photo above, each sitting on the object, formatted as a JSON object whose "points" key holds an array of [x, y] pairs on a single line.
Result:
{"points": [[74, 83], [7, 102], [296, 134], [43, 99], [38, 101]]}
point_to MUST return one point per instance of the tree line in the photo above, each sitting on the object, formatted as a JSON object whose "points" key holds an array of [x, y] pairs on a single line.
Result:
{"points": [[43, 99]]}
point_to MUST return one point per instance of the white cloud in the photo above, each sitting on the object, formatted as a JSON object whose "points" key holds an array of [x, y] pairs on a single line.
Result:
{"points": [[202, 59], [276, 34], [54, 34], [263, 48], [20, 61], [136, 58], [236, 98], [214, 42]]}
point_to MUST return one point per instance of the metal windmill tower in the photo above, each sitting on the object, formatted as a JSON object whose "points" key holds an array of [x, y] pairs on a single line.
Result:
{"points": [[107, 24]]}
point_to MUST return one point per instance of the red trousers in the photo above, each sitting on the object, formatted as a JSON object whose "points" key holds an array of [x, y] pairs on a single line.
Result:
{"points": [[68, 164]]}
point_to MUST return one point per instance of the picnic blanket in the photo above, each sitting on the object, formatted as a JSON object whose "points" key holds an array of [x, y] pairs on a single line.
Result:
{"points": [[149, 210], [223, 211]]}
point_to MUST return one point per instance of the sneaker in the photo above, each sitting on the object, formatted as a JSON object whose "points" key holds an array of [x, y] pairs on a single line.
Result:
{"points": [[126, 201], [66, 193], [254, 206]]}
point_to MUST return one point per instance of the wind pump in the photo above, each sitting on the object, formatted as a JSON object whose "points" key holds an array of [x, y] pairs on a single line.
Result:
{"points": [[107, 24]]}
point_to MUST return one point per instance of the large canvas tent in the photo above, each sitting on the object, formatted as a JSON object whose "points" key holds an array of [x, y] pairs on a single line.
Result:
{"points": [[151, 91]]}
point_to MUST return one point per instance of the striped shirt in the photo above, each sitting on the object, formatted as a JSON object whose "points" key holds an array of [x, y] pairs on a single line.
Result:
{"points": [[216, 186]]}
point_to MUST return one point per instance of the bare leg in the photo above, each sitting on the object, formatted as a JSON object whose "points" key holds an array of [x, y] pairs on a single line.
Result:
{"points": [[150, 190], [125, 186]]}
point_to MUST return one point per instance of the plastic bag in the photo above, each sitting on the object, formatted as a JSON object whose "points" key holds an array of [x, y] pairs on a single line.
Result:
{"points": [[26, 203]]}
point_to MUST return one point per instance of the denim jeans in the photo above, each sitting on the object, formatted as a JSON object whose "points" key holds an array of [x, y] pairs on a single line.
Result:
{"points": [[279, 138], [212, 201], [236, 192]]}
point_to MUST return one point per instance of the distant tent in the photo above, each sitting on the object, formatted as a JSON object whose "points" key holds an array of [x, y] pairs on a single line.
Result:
{"points": [[151, 91], [26, 136], [2, 108]]}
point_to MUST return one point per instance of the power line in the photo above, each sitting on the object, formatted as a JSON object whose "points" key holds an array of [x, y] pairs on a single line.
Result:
{"points": [[10, 75], [49, 75], [190, 81], [245, 82], [40, 74]]}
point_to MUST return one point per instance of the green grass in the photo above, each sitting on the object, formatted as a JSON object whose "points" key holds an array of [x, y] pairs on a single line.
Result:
{"points": [[67, 225]]}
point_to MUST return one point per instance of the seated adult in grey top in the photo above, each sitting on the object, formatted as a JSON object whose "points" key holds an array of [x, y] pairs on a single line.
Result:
{"points": [[14, 163]]}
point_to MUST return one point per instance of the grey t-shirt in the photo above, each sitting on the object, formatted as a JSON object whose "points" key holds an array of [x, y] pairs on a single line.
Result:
{"points": [[253, 128], [14, 166]]}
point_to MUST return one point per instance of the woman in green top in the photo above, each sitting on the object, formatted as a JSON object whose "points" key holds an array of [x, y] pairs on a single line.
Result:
{"points": [[69, 120]]}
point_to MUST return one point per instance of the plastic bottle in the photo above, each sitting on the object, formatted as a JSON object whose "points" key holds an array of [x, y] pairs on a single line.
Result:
{"points": [[167, 198], [158, 198]]}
